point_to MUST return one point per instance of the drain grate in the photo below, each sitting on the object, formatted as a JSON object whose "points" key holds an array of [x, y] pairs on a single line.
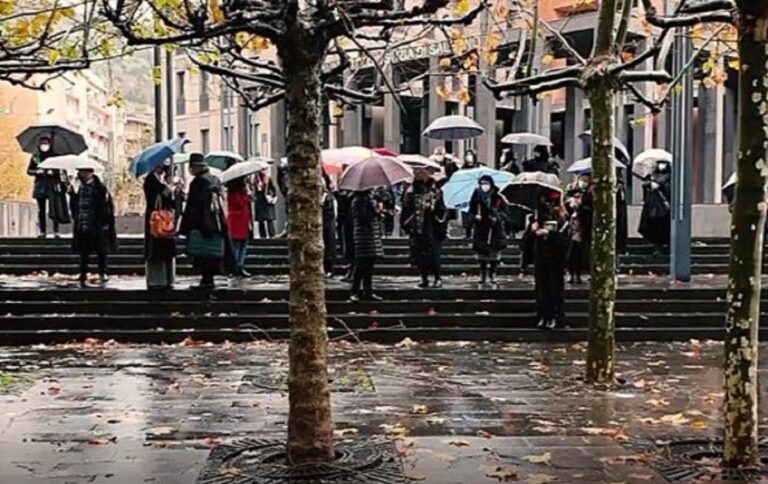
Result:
{"points": [[254, 461], [697, 459]]}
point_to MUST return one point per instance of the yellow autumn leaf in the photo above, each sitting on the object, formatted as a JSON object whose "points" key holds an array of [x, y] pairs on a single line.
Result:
{"points": [[157, 75], [445, 62], [463, 96], [53, 56], [443, 92], [470, 63], [547, 59], [544, 458], [491, 57], [627, 56], [501, 10], [7, 6], [214, 8], [734, 64], [462, 7], [678, 88]]}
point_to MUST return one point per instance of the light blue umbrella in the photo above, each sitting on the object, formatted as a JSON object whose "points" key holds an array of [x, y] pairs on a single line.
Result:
{"points": [[585, 166], [458, 190], [153, 156]]}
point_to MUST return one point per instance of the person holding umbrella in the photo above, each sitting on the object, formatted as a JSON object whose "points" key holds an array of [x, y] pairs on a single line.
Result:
{"points": [[49, 190], [655, 219], [486, 209], [159, 228], [541, 161], [93, 213], [580, 207], [239, 221], [546, 241], [203, 223], [424, 220], [264, 200]]}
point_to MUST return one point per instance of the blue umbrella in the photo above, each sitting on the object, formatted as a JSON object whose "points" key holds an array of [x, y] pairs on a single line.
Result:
{"points": [[153, 156], [458, 190]]}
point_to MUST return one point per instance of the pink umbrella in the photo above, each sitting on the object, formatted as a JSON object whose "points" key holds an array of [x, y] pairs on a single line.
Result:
{"points": [[335, 159], [384, 152], [374, 172]]}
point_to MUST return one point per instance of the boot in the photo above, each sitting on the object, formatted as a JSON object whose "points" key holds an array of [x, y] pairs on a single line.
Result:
{"points": [[492, 272], [424, 281], [438, 283], [483, 272]]}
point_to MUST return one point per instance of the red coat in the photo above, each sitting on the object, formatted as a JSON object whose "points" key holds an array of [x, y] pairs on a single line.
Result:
{"points": [[238, 214]]}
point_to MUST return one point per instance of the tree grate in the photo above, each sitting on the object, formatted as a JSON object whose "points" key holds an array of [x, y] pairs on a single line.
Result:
{"points": [[697, 460], [255, 461]]}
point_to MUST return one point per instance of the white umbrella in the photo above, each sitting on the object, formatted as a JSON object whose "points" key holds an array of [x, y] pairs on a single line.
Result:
{"points": [[617, 144], [419, 161], [245, 168], [645, 162], [585, 166], [532, 139], [70, 163], [453, 128]]}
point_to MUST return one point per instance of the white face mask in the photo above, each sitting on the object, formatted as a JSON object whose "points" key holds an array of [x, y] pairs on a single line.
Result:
{"points": [[44, 148], [485, 187], [582, 185], [663, 167], [470, 159]]}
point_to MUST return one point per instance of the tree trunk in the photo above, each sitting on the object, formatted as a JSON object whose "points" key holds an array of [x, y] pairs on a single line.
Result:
{"points": [[310, 424], [743, 317], [602, 284]]}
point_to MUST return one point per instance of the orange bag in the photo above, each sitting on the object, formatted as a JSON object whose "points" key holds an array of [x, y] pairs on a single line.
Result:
{"points": [[162, 223]]}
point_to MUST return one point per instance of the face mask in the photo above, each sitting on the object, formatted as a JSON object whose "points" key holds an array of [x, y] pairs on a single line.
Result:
{"points": [[45, 147], [469, 160], [582, 185], [485, 187], [663, 167]]}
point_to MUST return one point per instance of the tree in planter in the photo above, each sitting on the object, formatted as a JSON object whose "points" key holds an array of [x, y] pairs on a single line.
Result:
{"points": [[602, 75], [748, 216], [234, 39]]}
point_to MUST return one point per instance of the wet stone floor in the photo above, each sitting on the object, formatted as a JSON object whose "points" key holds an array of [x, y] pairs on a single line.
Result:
{"points": [[458, 413]]}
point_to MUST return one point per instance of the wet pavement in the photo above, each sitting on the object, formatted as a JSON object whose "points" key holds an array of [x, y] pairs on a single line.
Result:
{"points": [[458, 412]]}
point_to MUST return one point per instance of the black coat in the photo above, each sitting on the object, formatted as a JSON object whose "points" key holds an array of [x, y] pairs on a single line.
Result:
{"points": [[581, 221], [263, 210], [329, 226], [489, 235], [93, 213], [157, 195], [199, 214], [424, 219], [655, 218], [346, 222], [367, 226], [538, 164], [51, 185]]}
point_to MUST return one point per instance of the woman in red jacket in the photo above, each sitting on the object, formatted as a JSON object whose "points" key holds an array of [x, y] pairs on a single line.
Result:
{"points": [[239, 221]]}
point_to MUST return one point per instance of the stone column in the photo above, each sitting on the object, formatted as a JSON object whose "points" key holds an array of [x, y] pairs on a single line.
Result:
{"points": [[392, 118], [277, 122], [574, 124], [435, 106], [730, 134], [711, 104]]}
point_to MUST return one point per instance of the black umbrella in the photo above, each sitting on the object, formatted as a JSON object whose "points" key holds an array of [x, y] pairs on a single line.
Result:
{"points": [[64, 141], [527, 188]]}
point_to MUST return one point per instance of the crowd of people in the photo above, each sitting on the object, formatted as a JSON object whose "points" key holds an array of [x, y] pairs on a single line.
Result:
{"points": [[218, 221]]}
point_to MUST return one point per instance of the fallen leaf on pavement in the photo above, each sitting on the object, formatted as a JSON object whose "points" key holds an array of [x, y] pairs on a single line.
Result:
{"points": [[544, 458], [406, 343], [540, 479], [483, 433], [345, 432], [503, 474], [420, 409], [458, 443]]}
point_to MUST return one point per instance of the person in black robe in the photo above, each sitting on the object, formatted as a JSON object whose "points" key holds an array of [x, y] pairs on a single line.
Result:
{"points": [[547, 241], [93, 212], [159, 253], [424, 220], [487, 209], [345, 226], [580, 209], [467, 222], [541, 161], [49, 191], [329, 227], [508, 162], [655, 219], [368, 233], [204, 215], [264, 200]]}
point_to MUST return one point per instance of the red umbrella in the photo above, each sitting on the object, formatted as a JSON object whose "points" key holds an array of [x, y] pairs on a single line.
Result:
{"points": [[384, 152]]}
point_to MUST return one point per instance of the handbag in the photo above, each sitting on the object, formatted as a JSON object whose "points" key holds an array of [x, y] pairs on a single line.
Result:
{"points": [[205, 247], [162, 222]]}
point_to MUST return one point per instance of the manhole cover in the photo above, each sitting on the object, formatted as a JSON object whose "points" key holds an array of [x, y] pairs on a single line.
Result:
{"points": [[253, 461], [689, 460]]}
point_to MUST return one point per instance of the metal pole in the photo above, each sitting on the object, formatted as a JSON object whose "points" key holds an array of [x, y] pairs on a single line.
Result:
{"points": [[169, 97], [158, 96], [682, 167]]}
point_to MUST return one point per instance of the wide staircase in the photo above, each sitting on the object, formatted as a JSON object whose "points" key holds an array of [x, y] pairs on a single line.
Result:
{"points": [[45, 310], [270, 257]]}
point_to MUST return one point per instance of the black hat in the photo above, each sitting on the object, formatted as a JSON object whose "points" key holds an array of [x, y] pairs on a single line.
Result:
{"points": [[196, 159]]}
